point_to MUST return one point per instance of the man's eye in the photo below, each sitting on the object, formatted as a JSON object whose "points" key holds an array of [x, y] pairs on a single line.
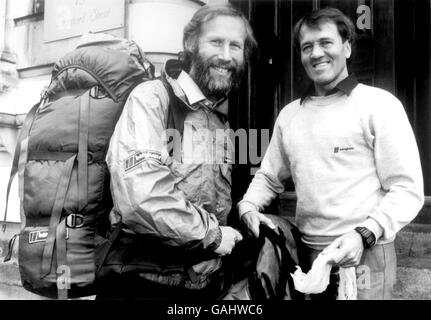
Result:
{"points": [[216, 42], [306, 49], [325, 43], [236, 46]]}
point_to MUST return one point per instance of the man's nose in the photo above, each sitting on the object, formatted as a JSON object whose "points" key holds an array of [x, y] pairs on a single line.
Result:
{"points": [[317, 51], [225, 53]]}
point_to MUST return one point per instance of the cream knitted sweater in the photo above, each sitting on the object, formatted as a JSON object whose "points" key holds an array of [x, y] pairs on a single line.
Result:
{"points": [[353, 159]]}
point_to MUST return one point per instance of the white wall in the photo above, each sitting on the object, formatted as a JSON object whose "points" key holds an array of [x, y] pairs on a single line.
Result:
{"points": [[8, 138]]}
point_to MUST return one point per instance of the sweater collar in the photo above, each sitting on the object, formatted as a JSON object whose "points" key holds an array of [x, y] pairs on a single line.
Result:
{"points": [[346, 86]]}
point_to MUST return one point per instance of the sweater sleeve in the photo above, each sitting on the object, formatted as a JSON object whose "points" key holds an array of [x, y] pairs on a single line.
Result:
{"points": [[268, 180], [398, 168]]}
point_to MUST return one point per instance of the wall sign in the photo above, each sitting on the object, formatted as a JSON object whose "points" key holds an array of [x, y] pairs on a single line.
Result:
{"points": [[70, 18]]}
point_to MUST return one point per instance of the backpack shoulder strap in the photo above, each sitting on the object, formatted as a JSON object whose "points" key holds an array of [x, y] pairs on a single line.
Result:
{"points": [[176, 109], [172, 123]]}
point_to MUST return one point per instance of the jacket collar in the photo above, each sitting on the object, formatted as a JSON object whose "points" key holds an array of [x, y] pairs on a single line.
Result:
{"points": [[188, 96], [188, 91]]}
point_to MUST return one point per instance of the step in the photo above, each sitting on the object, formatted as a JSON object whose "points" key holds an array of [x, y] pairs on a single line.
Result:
{"points": [[413, 246], [10, 283], [413, 284]]}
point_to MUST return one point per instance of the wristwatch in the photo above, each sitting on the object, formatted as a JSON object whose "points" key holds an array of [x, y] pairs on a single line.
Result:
{"points": [[368, 238]]}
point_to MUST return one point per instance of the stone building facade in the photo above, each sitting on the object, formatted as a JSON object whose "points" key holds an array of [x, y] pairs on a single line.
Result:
{"points": [[36, 33]]}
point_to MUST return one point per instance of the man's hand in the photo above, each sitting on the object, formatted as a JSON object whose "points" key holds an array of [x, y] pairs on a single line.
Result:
{"points": [[346, 251], [229, 237], [253, 219]]}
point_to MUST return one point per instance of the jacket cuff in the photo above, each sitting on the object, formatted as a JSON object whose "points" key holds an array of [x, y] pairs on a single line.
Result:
{"points": [[374, 227], [245, 206], [217, 240]]}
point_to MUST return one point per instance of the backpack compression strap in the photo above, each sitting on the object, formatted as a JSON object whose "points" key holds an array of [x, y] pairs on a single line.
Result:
{"points": [[57, 227], [84, 116], [57, 208], [28, 122]]}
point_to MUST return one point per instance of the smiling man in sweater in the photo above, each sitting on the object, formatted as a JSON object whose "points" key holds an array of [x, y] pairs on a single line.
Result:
{"points": [[352, 155]]}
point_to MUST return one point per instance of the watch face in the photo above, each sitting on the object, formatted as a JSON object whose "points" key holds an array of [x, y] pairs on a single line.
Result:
{"points": [[371, 240]]}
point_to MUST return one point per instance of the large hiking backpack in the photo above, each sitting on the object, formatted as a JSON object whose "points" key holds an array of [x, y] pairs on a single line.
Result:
{"points": [[268, 274], [60, 158]]}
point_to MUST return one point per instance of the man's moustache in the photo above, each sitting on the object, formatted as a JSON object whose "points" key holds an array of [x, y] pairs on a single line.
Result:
{"points": [[228, 66]]}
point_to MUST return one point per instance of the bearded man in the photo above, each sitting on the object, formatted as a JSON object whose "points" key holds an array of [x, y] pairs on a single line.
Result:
{"points": [[173, 204]]}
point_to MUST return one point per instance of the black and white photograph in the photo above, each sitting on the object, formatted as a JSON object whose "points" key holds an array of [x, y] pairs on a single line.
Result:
{"points": [[211, 158]]}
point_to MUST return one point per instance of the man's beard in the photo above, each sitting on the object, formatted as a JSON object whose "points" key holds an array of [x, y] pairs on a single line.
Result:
{"points": [[212, 86]]}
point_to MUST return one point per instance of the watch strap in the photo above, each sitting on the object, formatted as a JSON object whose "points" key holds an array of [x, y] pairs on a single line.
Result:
{"points": [[368, 237]]}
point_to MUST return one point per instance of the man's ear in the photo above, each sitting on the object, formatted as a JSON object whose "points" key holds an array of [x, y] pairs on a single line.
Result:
{"points": [[347, 48]]}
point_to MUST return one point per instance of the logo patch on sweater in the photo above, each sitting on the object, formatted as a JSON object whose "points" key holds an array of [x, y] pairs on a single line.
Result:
{"points": [[343, 149], [141, 156]]}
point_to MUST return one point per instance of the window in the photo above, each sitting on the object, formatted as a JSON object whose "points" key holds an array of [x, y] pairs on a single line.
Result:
{"points": [[38, 6]]}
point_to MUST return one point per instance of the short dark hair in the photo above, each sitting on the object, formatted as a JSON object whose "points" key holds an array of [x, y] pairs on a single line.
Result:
{"points": [[313, 19], [206, 13]]}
